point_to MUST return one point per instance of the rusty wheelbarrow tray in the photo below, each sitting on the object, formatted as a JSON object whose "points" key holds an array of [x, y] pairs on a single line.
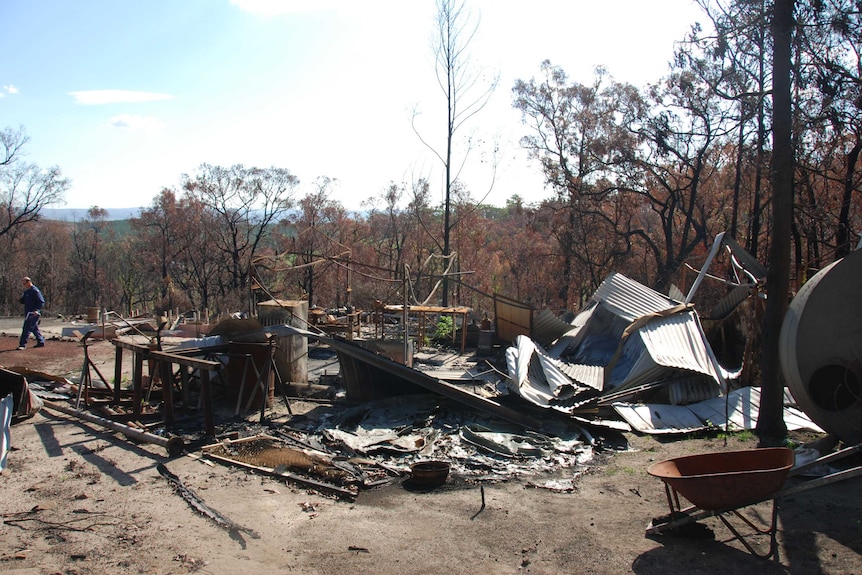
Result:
{"points": [[720, 484]]}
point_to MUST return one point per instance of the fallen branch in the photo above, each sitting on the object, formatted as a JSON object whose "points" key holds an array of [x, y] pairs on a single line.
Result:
{"points": [[16, 519], [196, 503]]}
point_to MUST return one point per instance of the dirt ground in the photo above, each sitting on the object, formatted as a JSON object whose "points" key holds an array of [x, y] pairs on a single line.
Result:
{"points": [[78, 499]]}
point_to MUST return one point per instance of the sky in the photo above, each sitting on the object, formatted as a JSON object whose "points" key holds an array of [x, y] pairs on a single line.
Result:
{"points": [[128, 96]]}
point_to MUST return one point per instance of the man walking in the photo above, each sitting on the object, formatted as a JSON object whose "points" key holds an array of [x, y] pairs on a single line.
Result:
{"points": [[33, 302]]}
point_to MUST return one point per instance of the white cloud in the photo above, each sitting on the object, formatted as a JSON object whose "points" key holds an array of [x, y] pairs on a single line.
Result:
{"points": [[134, 122], [8, 89], [96, 97]]}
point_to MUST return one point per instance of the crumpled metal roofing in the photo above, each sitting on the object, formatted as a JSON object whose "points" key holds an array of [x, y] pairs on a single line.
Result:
{"points": [[743, 408], [676, 342], [627, 336], [536, 375], [589, 375], [629, 299]]}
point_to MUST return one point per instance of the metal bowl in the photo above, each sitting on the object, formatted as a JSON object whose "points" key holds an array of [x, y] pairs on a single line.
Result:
{"points": [[429, 473]]}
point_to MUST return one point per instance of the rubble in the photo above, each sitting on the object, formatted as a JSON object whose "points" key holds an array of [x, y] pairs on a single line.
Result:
{"points": [[631, 359], [629, 341]]}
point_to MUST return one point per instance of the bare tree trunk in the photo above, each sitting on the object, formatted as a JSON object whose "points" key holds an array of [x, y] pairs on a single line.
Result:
{"points": [[455, 31], [771, 428], [842, 239]]}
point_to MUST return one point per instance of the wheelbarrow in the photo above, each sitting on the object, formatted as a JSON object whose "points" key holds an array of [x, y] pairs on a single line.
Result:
{"points": [[721, 484]]}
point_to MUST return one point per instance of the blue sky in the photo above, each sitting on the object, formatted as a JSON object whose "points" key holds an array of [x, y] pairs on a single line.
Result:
{"points": [[126, 96]]}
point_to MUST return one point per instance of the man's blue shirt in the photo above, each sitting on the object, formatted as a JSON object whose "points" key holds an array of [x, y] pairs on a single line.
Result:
{"points": [[32, 300]]}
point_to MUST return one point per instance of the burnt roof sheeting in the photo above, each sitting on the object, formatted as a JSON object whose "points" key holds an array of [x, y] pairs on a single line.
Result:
{"points": [[661, 345], [548, 328], [536, 376], [691, 389], [589, 375], [524, 349], [617, 303], [676, 342], [743, 406], [629, 299], [747, 262], [728, 304], [575, 336], [630, 336], [560, 385]]}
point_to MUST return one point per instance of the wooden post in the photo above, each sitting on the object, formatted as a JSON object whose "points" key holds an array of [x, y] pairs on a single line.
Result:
{"points": [[184, 384], [206, 399], [463, 331], [166, 373], [118, 373], [137, 382]]}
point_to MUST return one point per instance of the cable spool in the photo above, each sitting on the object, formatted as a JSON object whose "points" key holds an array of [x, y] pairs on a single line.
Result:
{"points": [[820, 348]]}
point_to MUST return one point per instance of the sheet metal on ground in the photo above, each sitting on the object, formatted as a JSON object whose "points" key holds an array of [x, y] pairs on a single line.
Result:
{"points": [[743, 407], [398, 431], [373, 376]]}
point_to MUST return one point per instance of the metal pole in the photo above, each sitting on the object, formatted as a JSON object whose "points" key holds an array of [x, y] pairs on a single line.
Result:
{"points": [[173, 445], [404, 318]]}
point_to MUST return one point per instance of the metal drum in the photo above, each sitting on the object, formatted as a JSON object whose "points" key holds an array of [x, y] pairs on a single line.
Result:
{"points": [[821, 348]]}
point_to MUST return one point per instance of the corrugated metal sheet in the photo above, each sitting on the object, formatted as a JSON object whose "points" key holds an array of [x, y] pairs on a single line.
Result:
{"points": [[519, 370], [630, 299], [659, 418], [745, 260], [640, 370], [660, 350], [574, 337], [730, 302], [743, 407], [513, 318], [691, 390], [589, 375], [661, 342], [675, 293], [678, 341], [548, 328], [534, 394], [537, 377]]}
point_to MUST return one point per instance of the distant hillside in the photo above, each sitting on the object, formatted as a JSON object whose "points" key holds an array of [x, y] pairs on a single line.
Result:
{"points": [[77, 214]]}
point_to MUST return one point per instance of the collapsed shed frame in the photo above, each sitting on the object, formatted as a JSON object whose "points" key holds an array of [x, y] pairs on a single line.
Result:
{"points": [[421, 312], [162, 366]]}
